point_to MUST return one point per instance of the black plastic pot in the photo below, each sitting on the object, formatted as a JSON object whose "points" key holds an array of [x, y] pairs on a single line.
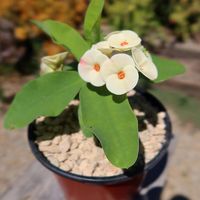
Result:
{"points": [[120, 187]]}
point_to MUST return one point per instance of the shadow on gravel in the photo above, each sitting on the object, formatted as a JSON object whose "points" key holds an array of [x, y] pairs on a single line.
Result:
{"points": [[180, 197]]}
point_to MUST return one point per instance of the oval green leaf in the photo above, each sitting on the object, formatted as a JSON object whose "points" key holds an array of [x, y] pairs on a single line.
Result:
{"points": [[92, 17], [113, 122], [64, 35], [86, 131], [46, 96]]}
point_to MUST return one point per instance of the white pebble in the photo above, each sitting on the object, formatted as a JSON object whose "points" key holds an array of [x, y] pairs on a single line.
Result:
{"points": [[56, 140], [49, 149], [65, 144], [53, 161], [45, 143], [62, 157]]}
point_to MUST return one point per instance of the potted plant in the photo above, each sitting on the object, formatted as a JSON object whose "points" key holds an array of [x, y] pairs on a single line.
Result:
{"points": [[84, 121]]}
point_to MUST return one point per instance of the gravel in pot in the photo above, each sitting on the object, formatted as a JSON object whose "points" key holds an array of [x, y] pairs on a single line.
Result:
{"points": [[62, 142]]}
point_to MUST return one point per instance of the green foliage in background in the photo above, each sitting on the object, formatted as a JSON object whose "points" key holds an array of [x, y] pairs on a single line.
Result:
{"points": [[157, 21], [184, 18]]}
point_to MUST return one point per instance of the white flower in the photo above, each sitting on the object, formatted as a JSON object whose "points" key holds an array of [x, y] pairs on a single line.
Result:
{"points": [[120, 74], [144, 63], [52, 63], [103, 46], [123, 40], [89, 67]]}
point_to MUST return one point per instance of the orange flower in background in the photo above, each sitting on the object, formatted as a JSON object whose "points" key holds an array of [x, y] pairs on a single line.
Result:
{"points": [[21, 33], [22, 11]]}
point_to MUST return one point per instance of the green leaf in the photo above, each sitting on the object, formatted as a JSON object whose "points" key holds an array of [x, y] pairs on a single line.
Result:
{"points": [[86, 131], [46, 96], [167, 68], [92, 17], [64, 35], [113, 122], [68, 68]]}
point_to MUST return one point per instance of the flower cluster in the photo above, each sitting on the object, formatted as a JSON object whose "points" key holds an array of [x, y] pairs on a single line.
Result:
{"points": [[116, 61]]}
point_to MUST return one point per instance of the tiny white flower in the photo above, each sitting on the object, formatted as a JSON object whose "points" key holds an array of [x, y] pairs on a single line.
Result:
{"points": [[123, 40], [144, 63], [120, 74], [89, 67], [52, 63], [103, 46]]}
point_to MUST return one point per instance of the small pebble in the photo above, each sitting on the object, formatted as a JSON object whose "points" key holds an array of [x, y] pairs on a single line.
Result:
{"points": [[131, 93], [65, 144], [49, 149], [74, 102], [87, 167], [161, 115], [66, 166], [74, 146], [40, 119], [62, 157], [56, 140], [45, 143], [53, 161], [160, 126], [74, 157], [69, 163]]}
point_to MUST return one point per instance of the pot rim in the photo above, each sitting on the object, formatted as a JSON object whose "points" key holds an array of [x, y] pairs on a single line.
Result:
{"points": [[109, 179]]}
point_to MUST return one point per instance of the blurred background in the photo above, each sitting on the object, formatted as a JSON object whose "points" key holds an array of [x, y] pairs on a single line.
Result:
{"points": [[170, 28]]}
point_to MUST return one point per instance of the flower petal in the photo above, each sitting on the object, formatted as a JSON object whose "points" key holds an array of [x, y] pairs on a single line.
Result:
{"points": [[100, 58], [86, 65], [139, 56], [115, 85], [121, 60], [121, 86], [131, 77], [84, 70], [123, 40], [103, 46], [115, 41], [144, 64], [133, 37], [96, 78], [115, 64], [88, 57], [108, 68], [149, 70]]}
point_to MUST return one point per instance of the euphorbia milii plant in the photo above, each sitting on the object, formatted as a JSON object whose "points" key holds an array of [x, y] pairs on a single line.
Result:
{"points": [[106, 70]]}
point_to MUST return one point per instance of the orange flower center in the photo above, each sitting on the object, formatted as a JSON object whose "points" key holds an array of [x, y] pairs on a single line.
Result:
{"points": [[124, 43], [121, 75], [97, 67]]}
